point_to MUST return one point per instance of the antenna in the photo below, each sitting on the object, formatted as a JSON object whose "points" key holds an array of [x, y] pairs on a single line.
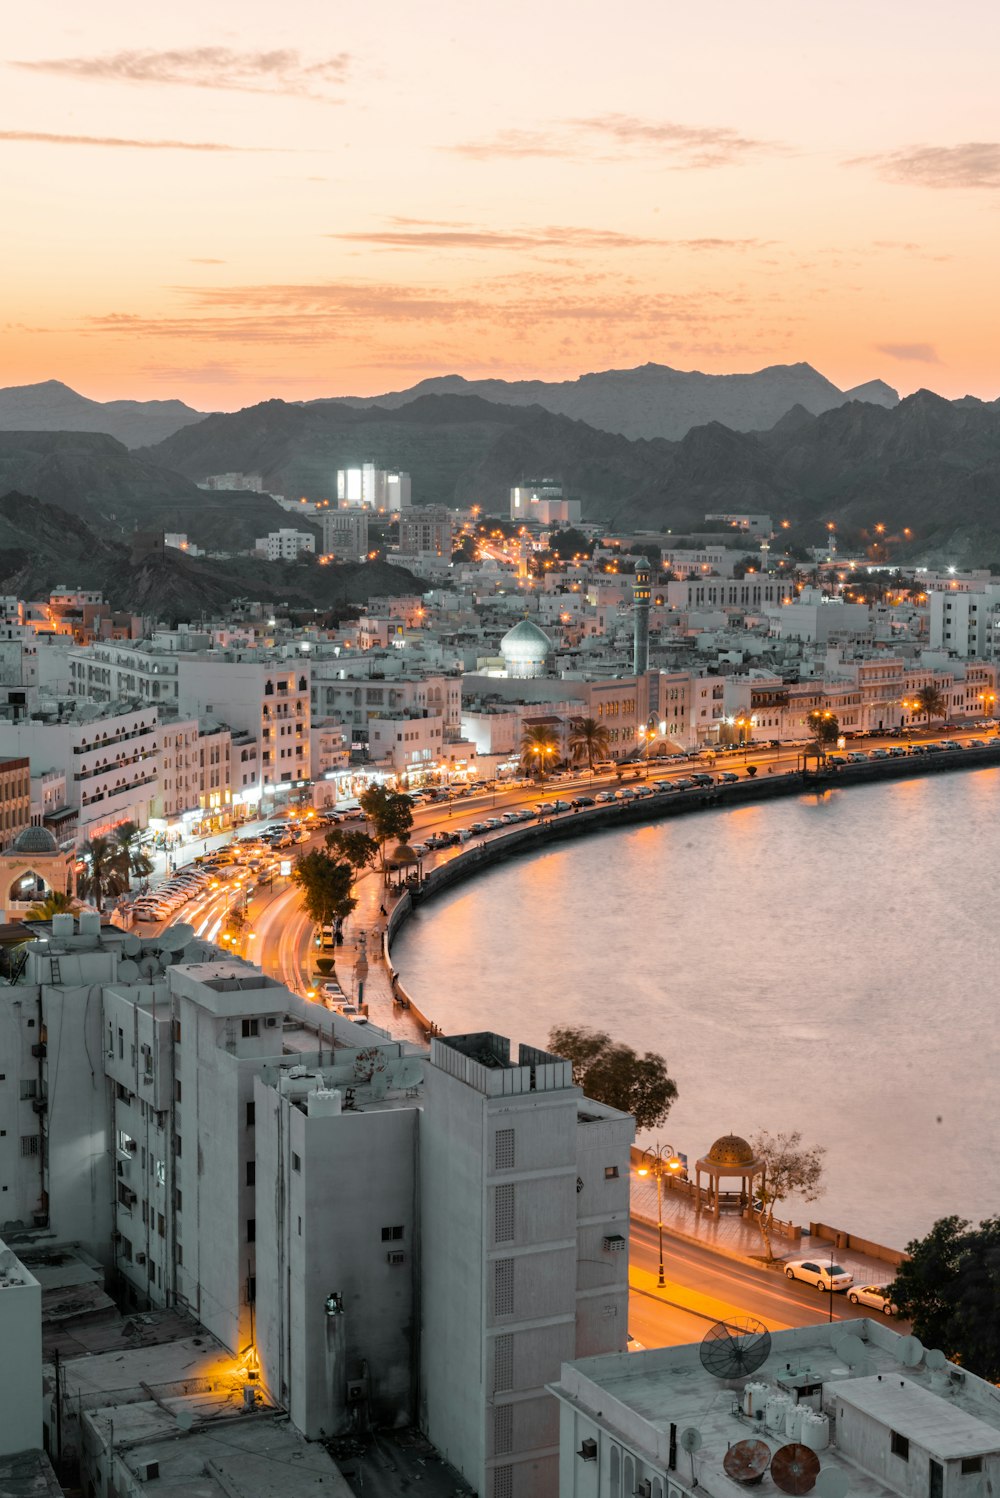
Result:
{"points": [[795, 1468], [734, 1349], [747, 1461]]}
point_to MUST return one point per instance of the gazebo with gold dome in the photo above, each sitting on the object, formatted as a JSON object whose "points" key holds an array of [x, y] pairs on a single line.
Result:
{"points": [[730, 1159]]}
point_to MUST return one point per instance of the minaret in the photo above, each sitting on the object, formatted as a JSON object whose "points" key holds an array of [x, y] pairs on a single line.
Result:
{"points": [[640, 594]]}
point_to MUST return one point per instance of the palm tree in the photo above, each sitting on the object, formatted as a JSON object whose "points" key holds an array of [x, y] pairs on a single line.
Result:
{"points": [[55, 902], [930, 702], [103, 875], [539, 747], [133, 856], [588, 738]]}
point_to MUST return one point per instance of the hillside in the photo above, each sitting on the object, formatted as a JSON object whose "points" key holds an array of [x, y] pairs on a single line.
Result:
{"points": [[43, 546], [53, 407], [655, 400]]}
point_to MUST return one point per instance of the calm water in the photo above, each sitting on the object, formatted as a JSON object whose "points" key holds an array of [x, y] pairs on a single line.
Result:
{"points": [[827, 964]]}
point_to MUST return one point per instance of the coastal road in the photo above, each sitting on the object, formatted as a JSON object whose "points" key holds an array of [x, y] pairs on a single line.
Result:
{"points": [[704, 1287]]}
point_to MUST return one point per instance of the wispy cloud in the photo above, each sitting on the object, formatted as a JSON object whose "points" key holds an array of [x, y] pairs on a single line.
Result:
{"points": [[280, 71], [205, 260], [913, 353], [975, 164], [415, 234], [610, 136], [45, 138]]}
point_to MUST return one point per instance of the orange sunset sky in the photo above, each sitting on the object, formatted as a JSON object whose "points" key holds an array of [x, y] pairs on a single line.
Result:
{"points": [[224, 202]]}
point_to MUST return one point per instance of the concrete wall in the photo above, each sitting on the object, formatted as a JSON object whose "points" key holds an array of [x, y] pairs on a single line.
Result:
{"points": [[20, 1356]]}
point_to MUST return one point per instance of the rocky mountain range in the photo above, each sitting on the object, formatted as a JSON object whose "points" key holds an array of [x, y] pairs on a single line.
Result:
{"points": [[53, 407], [657, 401]]}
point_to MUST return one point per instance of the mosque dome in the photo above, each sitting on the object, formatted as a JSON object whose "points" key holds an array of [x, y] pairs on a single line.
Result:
{"points": [[525, 650], [34, 840], [731, 1150]]}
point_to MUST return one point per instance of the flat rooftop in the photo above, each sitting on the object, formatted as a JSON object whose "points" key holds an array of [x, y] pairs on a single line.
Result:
{"points": [[642, 1394]]}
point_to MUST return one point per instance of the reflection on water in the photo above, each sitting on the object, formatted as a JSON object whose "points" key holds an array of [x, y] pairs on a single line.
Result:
{"points": [[825, 964]]}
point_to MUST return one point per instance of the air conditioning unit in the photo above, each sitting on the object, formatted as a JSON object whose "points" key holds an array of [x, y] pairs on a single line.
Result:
{"points": [[644, 1488], [131, 1145], [270, 1023], [39, 1104], [38, 1051], [588, 1451], [395, 1256], [147, 1471], [614, 1243], [140, 1258], [129, 1197]]}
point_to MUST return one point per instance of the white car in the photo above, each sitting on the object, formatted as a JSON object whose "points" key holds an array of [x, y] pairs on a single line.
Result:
{"points": [[876, 1296], [824, 1276]]}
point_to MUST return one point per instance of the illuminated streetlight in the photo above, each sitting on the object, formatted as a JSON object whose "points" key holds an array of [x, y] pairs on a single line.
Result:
{"points": [[658, 1160]]}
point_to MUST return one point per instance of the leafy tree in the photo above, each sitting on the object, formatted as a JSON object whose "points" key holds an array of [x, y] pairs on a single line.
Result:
{"points": [[56, 902], [950, 1290], [588, 739], [103, 875], [790, 1169], [355, 848], [616, 1075], [569, 543], [539, 747], [929, 702], [390, 815], [824, 727], [325, 883]]}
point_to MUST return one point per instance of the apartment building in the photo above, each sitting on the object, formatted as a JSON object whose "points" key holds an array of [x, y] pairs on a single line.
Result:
{"points": [[371, 488], [426, 531], [403, 743], [286, 545], [345, 534], [754, 591], [15, 799], [351, 693]]}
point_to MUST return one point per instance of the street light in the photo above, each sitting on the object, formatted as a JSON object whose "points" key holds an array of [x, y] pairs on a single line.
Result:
{"points": [[656, 1160]]}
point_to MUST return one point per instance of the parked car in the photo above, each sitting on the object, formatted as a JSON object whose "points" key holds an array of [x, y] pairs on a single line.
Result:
{"points": [[605, 796], [625, 794], [581, 801], [682, 783], [898, 751], [557, 806], [879, 754], [876, 1296], [510, 817], [857, 757], [823, 1276], [975, 743], [728, 777], [479, 828], [702, 778]]}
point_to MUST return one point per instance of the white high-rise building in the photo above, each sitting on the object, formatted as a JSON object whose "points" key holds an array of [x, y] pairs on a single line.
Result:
{"points": [[371, 488]]}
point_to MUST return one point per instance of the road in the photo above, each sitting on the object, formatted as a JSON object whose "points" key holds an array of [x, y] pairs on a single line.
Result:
{"points": [[704, 1287]]}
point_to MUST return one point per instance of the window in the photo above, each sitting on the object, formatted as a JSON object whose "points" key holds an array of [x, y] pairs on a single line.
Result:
{"points": [[29, 1144], [161, 1226], [251, 1172], [971, 1464], [503, 1287], [503, 1361], [250, 1027], [392, 1235], [296, 1162], [177, 1032], [503, 1150], [611, 1172], [251, 1230], [251, 1115], [177, 1200], [503, 1214], [899, 1445], [177, 1090]]}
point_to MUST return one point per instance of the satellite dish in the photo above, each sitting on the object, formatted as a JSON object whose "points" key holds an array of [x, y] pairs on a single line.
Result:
{"points": [[176, 938], [407, 1072], [734, 1349], [908, 1351], [934, 1359], [691, 1438], [795, 1468], [149, 967], [128, 970], [832, 1483], [131, 945], [185, 1420], [747, 1461]]}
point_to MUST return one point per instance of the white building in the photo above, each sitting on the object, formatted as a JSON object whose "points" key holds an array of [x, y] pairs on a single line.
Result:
{"points": [[966, 621], [370, 488], [286, 545], [345, 534], [890, 1424], [20, 1356], [426, 531], [754, 591], [405, 744], [544, 503]]}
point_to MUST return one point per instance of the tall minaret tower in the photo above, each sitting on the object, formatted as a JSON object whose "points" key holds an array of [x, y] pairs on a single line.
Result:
{"points": [[640, 594]]}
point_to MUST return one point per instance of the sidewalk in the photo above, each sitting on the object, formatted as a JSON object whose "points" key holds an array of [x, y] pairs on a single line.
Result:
{"points": [[733, 1237]]}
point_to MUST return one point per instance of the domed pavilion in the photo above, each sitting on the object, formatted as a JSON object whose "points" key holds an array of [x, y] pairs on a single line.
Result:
{"points": [[525, 650], [33, 865], [730, 1159]]}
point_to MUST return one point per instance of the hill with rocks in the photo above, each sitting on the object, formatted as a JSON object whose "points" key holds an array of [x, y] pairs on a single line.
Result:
{"points": [[52, 406]]}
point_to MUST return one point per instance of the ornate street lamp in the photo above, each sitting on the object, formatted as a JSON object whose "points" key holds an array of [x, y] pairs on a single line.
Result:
{"points": [[660, 1160]]}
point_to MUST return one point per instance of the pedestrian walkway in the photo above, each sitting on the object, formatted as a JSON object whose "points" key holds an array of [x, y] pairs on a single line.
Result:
{"points": [[734, 1237]]}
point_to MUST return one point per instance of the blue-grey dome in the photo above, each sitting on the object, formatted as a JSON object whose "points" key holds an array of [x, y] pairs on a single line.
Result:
{"points": [[34, 840]]}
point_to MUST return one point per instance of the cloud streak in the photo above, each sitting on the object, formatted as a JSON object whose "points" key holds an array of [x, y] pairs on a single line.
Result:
{"points": [[974, 164], [45, 138], [914, 353], [410, 234], [280, 71], [612, 136]]}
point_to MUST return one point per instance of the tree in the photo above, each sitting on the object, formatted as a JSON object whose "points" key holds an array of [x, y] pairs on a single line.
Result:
{"points": [[56, 902], [570, 543], [325, 883], [103, 875], [824, 728], [790, 1168], [950, 1290], [132, 856], [616, 1075], [390, 815], [355, 848], [539, 747], [588, 739], [929, 702]]}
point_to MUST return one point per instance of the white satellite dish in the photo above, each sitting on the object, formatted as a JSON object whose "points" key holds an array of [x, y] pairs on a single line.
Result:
{"points": [[934, 1359], [128, 970], [407, 1072], [131, 945], [176, 938], [691, 1438], [149, 967], [908, 1351], [832, 1482]]}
